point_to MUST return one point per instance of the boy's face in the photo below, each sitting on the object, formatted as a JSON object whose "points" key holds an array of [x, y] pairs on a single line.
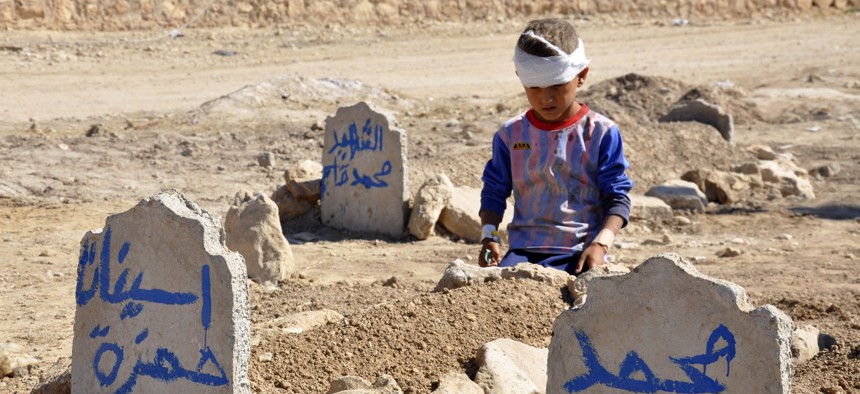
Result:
{"points": [[556, 103]]}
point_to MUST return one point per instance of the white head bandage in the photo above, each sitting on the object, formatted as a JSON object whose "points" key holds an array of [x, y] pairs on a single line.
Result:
{"points": [[536, 71]]}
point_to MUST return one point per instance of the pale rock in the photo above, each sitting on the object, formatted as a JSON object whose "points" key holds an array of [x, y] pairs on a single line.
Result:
{"points": [[701, 111], [825, 171], [762, 152], [804, 344], [507, 366], [432, 198], [785, 176], [459, 274], [719, 186], [680, 194], [57, 379], [301, 322], [729, 252], [659, 317], [254, 230], [384, 384], [649, 208], [457, 383], [288, 205], [266, 159], [461, 215], [578, 285], [304, 180]]}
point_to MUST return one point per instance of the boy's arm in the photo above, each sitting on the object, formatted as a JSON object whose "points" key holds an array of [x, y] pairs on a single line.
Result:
{"points": [[615, 203], [497, 188]]}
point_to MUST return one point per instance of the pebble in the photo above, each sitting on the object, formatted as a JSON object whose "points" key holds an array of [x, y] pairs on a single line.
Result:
{"points": [[63, 147], [266, 357], [785, 237], [266, 159], [729, 252]]}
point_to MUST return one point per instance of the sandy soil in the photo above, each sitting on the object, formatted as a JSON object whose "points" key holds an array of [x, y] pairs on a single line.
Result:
{"points": [[450, 86]]}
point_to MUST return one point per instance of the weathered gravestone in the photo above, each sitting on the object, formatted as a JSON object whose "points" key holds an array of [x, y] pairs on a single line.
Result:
{"points": [[364, 186], [666, 328], [162, 305]]}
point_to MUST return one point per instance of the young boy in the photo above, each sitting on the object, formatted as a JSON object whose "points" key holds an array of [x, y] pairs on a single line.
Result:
{"points": [[564, 163]]}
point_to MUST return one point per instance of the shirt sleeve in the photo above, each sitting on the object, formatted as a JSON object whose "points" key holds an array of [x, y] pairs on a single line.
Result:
{"points": [[497, 179], [613, 182]]}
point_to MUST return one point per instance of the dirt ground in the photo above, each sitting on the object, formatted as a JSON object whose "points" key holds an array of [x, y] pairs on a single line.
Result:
{"points": [[90, 123]]}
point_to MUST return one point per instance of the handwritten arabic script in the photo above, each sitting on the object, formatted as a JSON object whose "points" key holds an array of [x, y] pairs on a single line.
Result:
{"points": [[346, 144], [96, 283], [633, 365]]}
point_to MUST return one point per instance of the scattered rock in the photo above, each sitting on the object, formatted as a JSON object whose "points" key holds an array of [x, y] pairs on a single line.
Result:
{"points": [[457, 383], [459, 274], [701, 111], [729, 252], [461, 218], [384, 384], [288, 205], [304, 180], [508, 366], [254, 230], [57, 379], [298, 323], [431, 199], [649, 208], [680, 194], [804, 344], [266, 159], [825, 171]]}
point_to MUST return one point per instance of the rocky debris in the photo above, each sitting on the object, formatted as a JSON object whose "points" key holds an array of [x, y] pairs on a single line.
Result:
{"points": [[508, 366], [578, 285], [13, 362], [650, 209], [729, 252], [288, 205], [681, 313], [300, 322], [57, 379], [781, 169], [266, 159], [457, 383], [825, 171], [804, 344], [723, 187], [680, 194], [461, 218], [384, 384], [701, 111], [303, 180], [431, 199], [459, 274], [254, 230]]}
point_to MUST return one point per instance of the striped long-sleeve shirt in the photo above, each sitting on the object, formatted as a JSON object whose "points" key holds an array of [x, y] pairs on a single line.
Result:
{"points": [[566, 178]]}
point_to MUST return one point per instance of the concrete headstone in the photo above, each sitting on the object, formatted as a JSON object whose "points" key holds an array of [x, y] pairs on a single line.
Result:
{"points": [[364, 183], [254, 230], [682, 332], [162, 304]]}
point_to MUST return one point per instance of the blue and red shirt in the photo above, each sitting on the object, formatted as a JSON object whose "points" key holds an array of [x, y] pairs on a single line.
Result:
{"points": [[566, 178]]}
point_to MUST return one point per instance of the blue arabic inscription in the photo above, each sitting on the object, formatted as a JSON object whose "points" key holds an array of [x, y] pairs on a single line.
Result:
{"points": [[346, 145], [94, 283], [648, 382]]}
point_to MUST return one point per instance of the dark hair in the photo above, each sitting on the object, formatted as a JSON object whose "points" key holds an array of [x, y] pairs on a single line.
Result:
{"points": [[558, 32]]}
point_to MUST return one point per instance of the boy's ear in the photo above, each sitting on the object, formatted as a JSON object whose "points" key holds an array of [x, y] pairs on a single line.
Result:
{"points": [[582, 75]]}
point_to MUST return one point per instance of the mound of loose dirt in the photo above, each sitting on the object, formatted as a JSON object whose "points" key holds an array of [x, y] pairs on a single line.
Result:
{"points": [[414, 339]]}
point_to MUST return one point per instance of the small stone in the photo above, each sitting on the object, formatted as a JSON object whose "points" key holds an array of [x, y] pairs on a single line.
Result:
{"points": [[266, 159], [266, 357], [729, 252], [63, 147], [784, 237], [187, 152]]}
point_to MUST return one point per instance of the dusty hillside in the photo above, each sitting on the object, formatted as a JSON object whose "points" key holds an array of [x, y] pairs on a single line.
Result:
{"points": [[148, 14]]}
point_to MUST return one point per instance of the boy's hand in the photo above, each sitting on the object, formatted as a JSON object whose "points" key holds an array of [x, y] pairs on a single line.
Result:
{"points": [[489, 248], [593, 256]]}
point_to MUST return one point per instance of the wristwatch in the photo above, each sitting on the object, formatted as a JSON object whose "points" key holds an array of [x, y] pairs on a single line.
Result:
{"points": [[490, 231]]}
